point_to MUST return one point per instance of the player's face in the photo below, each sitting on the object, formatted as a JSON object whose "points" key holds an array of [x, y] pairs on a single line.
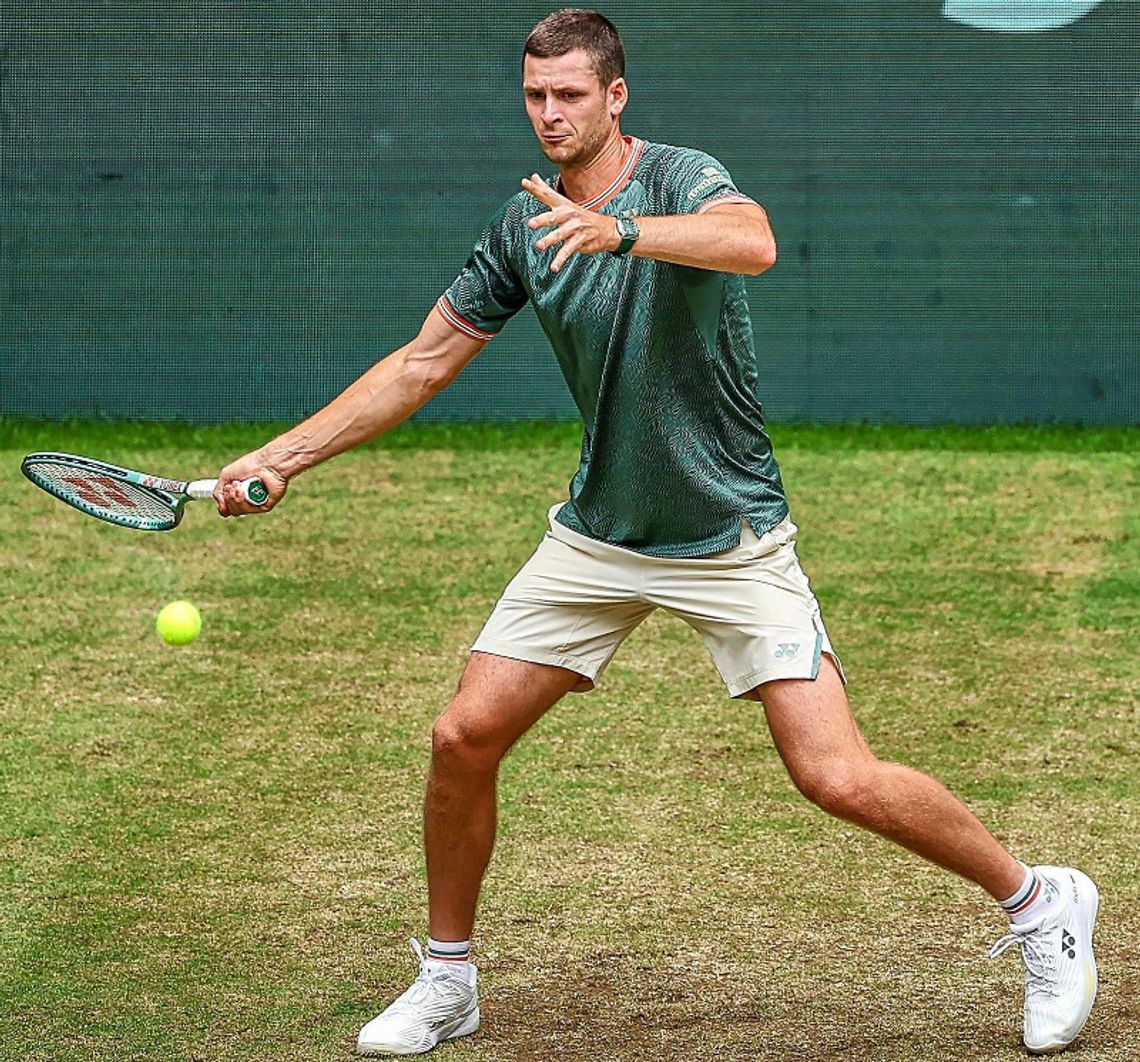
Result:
{"points": [[572, 112]]}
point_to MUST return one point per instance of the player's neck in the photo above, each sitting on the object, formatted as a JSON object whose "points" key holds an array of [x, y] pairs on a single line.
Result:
{"points": [[585, 182]]}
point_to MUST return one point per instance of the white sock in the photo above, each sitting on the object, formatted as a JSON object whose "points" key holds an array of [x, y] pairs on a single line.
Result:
{"points": [[1032, 900], [454, 956]]}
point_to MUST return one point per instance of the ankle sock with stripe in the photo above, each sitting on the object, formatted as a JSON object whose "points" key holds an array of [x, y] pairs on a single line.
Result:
{"points": [[454, 956], [1033, 900]]}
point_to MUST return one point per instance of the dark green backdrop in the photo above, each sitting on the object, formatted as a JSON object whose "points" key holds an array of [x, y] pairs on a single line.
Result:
{"points": [[218, 210]]}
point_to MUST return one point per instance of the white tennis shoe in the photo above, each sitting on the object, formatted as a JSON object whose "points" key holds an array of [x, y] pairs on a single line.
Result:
{"points": [[1060, 970], [440, 1005]]}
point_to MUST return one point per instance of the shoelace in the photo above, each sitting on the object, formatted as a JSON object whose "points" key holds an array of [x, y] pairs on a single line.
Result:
{"points": [[425, 984], [1040, 957]]}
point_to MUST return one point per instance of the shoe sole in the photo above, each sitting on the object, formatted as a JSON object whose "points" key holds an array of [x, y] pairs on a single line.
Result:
{"points": [[1087, 910], [464, 1026]]}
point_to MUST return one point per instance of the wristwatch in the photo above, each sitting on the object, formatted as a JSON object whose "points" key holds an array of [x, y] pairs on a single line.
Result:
{"points": [[628, 233]]}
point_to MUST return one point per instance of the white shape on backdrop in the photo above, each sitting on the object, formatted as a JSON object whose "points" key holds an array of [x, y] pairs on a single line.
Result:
{"points": [[1018, 16]]}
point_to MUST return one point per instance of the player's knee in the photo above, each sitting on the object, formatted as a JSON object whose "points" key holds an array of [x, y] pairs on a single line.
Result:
{"points": [[459, 745], [844, 788]]}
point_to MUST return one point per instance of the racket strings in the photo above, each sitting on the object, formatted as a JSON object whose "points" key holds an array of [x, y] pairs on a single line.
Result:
{"points": [[104, 496]]}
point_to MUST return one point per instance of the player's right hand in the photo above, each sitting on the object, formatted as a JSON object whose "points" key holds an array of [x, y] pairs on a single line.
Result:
{"points": [[228, 495]]}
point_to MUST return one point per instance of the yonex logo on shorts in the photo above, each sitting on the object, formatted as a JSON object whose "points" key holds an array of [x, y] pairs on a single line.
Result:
{"points": [[786, 650]]}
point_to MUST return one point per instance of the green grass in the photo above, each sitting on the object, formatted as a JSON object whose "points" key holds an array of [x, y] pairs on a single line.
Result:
{"points": [[212, 853]]}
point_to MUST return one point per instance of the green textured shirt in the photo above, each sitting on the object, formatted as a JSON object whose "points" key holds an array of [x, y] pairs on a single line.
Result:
{"points": [[658, 357]]}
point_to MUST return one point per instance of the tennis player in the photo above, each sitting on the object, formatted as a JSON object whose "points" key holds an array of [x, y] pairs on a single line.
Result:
{"points": [[633, 259]]}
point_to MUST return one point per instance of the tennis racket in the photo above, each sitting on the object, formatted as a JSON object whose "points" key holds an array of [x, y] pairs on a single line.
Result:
{"points": [[120, 496]]}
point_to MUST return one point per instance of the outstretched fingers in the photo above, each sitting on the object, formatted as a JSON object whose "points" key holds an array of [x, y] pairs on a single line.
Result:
{"points": [[571, 246], [563, 218], [543, 192], [577, 230]]}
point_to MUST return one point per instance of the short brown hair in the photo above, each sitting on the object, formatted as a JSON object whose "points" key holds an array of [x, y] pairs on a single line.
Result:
{"points": [[571, 28]]}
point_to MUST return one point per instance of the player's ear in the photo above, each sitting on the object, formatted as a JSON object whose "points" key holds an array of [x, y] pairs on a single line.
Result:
{"points": [[618, 96]]}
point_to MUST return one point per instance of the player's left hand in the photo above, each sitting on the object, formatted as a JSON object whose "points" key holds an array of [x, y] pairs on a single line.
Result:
{"points": [[580, 231]]}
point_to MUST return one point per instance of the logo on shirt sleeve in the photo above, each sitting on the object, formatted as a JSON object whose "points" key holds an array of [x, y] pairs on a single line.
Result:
{"points": [[710, 175]]}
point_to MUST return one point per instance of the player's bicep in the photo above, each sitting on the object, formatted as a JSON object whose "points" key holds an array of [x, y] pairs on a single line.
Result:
{"points": [[745, 209], [748, 213], [441, 350], [749, 222]]}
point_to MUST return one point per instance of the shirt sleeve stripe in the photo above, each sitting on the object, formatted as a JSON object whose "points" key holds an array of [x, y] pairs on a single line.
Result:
{"points": [[458, 322], [726, 197]]}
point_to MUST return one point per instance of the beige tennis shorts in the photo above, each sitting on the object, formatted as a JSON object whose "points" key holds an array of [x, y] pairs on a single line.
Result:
{"points": [[576, 600]]}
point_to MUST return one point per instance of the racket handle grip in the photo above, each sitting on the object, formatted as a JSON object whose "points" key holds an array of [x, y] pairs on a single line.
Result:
{"points": [[253, 490]]}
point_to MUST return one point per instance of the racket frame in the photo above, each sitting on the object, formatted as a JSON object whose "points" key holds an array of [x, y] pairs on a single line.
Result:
{"points": [[171, 493]]}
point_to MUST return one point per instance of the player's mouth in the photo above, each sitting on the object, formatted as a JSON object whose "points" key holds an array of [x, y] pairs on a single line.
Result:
{"points": [[554, 138]]}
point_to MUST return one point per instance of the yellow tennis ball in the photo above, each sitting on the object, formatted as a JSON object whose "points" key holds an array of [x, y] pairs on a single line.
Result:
{"points": [[179, 623]]}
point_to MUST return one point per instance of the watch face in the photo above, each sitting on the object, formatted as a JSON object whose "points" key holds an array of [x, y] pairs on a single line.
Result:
{"points": [[628, 233]]}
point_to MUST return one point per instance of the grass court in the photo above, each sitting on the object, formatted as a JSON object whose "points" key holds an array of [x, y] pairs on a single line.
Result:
{"points": [[212, 853]]}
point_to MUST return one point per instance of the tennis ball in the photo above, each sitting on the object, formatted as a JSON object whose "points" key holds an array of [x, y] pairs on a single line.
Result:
{"points": [[179, 623]]}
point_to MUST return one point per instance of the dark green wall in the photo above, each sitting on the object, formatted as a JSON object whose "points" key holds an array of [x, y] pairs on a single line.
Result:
{"points": [[228, 210]]}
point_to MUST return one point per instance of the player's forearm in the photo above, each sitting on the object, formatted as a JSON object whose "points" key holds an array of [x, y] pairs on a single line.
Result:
{"points": [[385, 395], [722, 239]]}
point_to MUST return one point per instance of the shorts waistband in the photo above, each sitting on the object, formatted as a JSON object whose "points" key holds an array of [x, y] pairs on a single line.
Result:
{"points": [[751, 545]]}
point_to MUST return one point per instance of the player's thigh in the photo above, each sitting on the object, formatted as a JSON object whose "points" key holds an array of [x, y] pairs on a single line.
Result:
{"points": [[752, 605], [811, 722], [569, 607], [497, 701]]}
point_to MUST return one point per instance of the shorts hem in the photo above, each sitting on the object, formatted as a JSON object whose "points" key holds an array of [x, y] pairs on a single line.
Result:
{"points": [[743, 683], [588, 670]]}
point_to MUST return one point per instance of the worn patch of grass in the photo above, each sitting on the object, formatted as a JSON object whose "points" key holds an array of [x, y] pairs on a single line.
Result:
{"points": [[212, 853]]}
